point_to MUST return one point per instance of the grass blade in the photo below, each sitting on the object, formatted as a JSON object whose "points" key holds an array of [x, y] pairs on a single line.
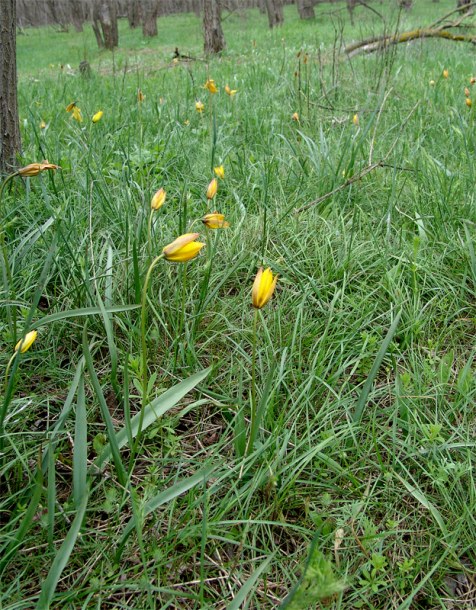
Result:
{"points": [[80, 455], [247, 588]]}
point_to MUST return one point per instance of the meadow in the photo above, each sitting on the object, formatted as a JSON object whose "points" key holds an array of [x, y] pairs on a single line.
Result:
{"points": [[168, 445]]}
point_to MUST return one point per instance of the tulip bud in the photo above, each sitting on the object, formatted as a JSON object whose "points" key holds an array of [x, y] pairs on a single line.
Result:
{"points": [[158, 199], [212, 189], [24, 344]]}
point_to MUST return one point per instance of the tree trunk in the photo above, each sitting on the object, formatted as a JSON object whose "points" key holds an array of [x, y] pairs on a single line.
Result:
{"points": [[275, 12], [134, 13], [105, 15], [262, 6], [212, 31], [350, 7], [77, 15], [10, 141], [306, 9], [406, 4], [150, 10]]}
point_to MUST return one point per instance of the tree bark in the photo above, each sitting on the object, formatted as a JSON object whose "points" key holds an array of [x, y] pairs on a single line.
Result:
{"points": [[10, 141], [134, 13], [462, 3], [150, 10], [306, 9], [105, 15], [214, 40], [77, 15], [350, 7], [275, 12]]}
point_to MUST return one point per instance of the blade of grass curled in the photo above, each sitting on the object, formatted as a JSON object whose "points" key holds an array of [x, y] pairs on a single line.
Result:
{"points": [[80, 452], [62, 557], [359, 408], [116, 456]]}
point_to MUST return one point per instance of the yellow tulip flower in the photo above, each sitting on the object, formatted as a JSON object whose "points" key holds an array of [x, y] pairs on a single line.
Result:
{"points": [[432, 83], [472, 80], [355, 120], [466, 92], [210, 85], [98, 116], [24, 344], [215, 221], [219, 171], [445, 73], [230, 92], [158, 199], [183, 249], [35, 168], [77, 116], [263, 287], [199, 106], [140, 96], [469, 103], [212, 189], [42, 125], [295, 116], [70, 107]]}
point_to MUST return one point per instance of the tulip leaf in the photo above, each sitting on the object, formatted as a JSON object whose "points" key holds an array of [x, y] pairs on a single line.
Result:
{"points": [[83, 311], [153, 411]]}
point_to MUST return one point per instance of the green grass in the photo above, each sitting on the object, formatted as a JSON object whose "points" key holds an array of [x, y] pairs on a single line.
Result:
{"points": [[365, 354]]}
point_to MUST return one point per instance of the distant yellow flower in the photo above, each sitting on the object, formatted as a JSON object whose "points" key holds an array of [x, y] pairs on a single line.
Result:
{"points": [[472, 80], [98, 116], [295, 116], [469, 103], [263, 287], [186, 122], [199, 106], [210, 85], [70, 107], [140, 96], [219, 171], [445, 73], [24, 344], [77, 116], [212, 189], [42, 125], [230, 92], [355, 120], [183, 249], [432, 83], [466, 92], [158, 199], [215, 221], [35, 168]]}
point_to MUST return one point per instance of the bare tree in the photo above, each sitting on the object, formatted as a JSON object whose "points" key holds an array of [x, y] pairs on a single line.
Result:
{"points": [[10, 141], [275, 12], [77, 14], [134, 13], [306, 9], [150, 11], [212, 30], [105, 23]]}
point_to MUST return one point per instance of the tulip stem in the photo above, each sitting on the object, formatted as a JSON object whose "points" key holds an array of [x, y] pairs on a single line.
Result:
{"points": [[253, 422], [143, 324], [149, 234]]}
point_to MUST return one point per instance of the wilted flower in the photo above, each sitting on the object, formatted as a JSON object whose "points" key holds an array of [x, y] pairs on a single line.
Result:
{"points": [[77, 116], [263, 287], [33, 169], [210, 85], [295, 116], [466, 92], [42, 125], [212, 189], [140, 96], [70, 107], [230, 92], [183, 249], [158, 199], [215, 221], [445, 73], [219, 171], [355, 120], [98, 116], [24, 344], [199, 106], [469, 103]]}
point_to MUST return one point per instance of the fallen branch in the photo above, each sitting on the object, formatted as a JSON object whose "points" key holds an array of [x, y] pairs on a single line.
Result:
{"points": [[367, 46]]}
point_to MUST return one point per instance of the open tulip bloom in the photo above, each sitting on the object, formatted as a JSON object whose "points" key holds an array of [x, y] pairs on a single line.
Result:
{"points": [[183, 249], [215, 221]]}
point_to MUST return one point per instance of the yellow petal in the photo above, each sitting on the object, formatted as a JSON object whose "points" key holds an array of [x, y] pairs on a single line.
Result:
{"points": [[24, 344], [97, 117], [158, 199]]}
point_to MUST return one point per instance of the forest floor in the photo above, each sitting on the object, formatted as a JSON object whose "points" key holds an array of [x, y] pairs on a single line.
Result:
{"points": [[132, 486]]}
